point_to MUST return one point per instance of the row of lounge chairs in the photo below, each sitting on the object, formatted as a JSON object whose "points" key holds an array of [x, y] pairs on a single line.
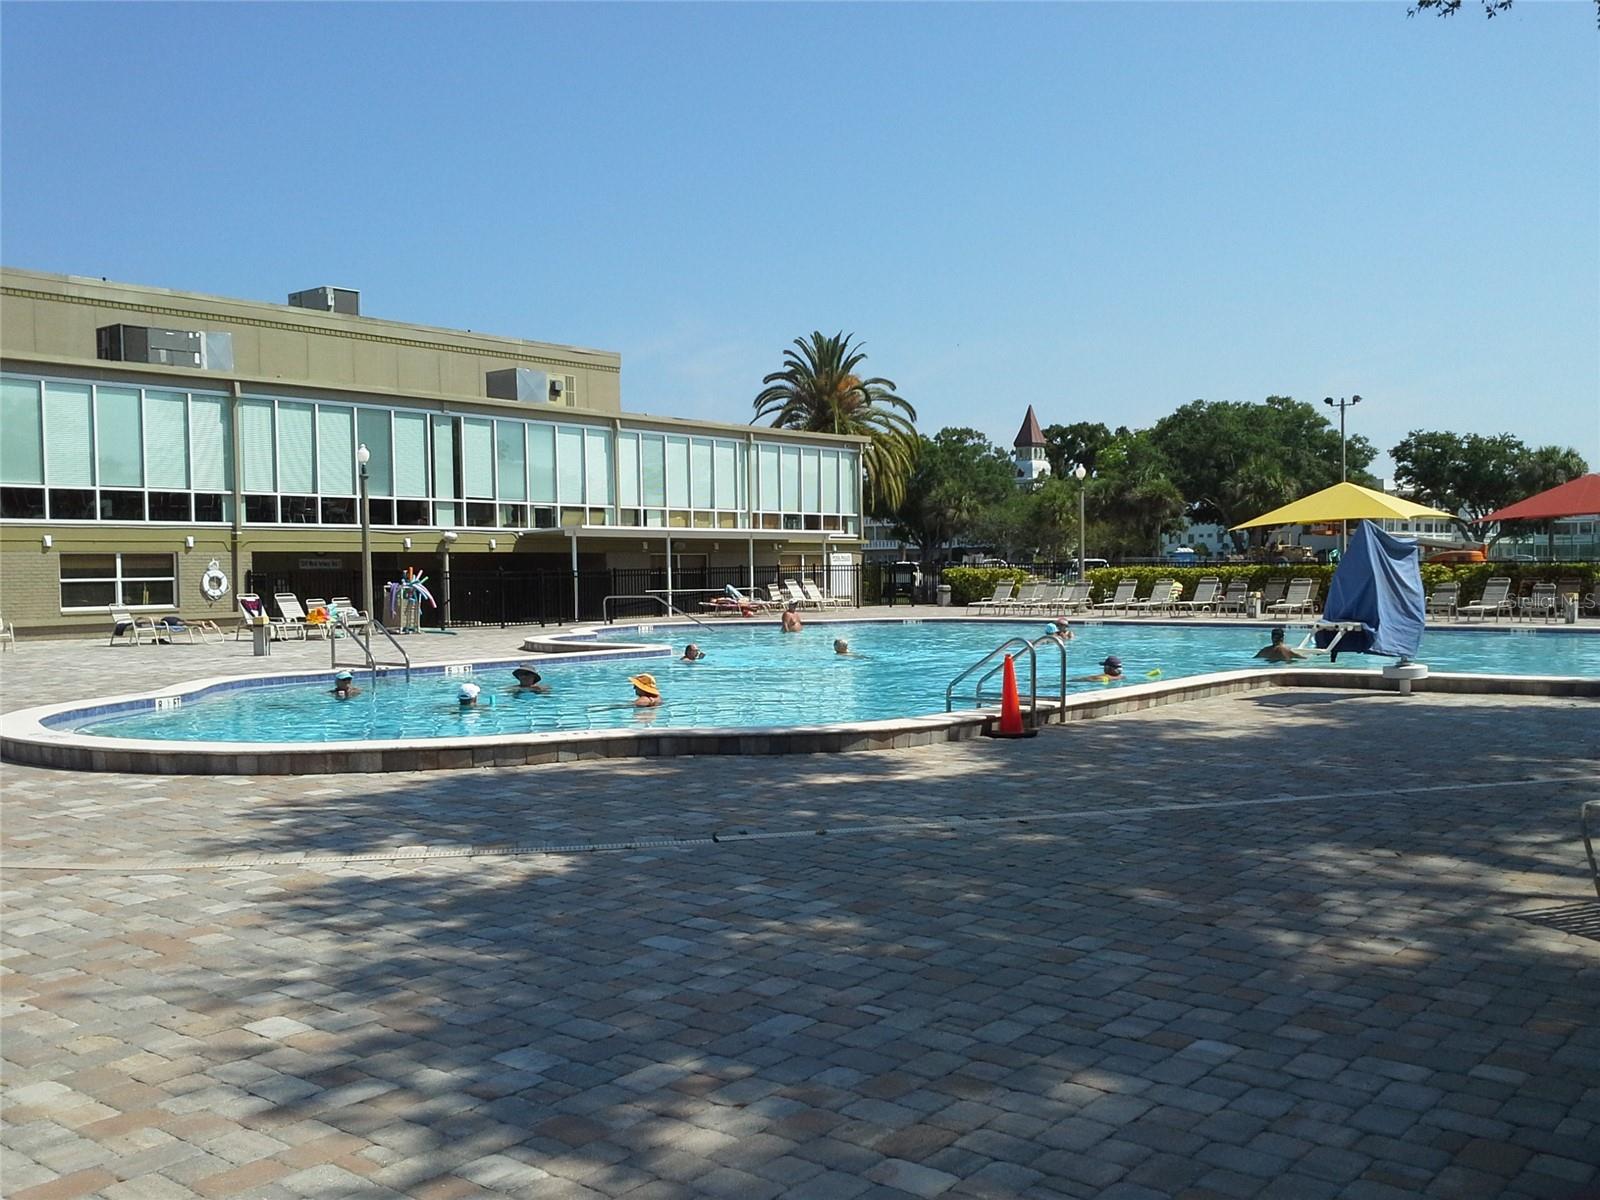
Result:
{"points": [[1282, 597], [1546, 601], [314, 618], [800, 592]]}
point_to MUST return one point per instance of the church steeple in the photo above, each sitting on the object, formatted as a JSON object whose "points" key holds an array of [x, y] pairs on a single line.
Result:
{"points": [[1030, 446]]}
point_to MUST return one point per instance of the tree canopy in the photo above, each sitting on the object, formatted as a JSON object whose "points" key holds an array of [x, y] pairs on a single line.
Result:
{"points": [[1232, 460], [820, 390], [1474, 475], [959, 475]]}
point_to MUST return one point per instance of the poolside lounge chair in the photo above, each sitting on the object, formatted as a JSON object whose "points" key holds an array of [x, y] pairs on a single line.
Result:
{"points": [[1025, 599], [818, 597], [1121, 598], [1051, 598], [1272, 593], [1205, 596], [1074, 597], [1001, 594], [792, 588], [1235, 597], [1568, 589], [136, 629], [8, 635], [1540, 602], [1159, 599], [251, 612], [1496, 599], [170, 629], [350, 617], [1301, 598], [1443, 601], [292, 616]]}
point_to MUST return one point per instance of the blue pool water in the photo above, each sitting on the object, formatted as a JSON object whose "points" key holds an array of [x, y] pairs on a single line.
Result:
{"points": [[755, 676]]}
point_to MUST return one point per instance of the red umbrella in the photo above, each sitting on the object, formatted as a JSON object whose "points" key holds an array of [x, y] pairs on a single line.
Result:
{"points": [[1577, 498]]}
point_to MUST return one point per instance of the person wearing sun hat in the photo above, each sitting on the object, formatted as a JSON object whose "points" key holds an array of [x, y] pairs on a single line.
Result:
{"points": [[528, 680], [344, 686], [467, 697], [646, 693], [1110, 671]]}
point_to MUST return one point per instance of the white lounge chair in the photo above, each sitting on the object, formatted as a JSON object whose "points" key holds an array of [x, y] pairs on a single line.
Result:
{"points": [[1300, 597], [1235, 598], [8, 635], [816, 595], [350, 617], [1074, 597], [1496, 599], [1027, 596], [1127, 589], [1443, 600], [292, 617], [134, 628], [1159, 599], [251, 612], [1205, 596], [1540, 602], [1002, 594]]}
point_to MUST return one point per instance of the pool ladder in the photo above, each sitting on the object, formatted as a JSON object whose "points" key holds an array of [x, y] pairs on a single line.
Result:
{"points": [[361, 635], [1031, 648]]}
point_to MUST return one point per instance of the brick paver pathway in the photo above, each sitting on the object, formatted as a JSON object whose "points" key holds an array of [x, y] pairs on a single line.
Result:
{"points": [[1276, 946]]}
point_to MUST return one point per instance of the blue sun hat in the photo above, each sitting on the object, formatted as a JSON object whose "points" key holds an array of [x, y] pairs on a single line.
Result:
{"points": [[342, 676], [1112, 663]]}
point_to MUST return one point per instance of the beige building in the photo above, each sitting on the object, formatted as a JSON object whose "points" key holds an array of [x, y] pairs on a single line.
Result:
{"points": [[155, 442]]}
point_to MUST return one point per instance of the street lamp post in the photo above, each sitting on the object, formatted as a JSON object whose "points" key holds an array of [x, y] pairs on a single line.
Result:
{"points": [[1341, 404], [1080, 473], [363, 456]]}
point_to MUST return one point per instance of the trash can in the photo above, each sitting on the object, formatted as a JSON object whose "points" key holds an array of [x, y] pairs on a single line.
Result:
{"points": [[1572, 610], [1252, 607], [944, 595], [261, 638]]}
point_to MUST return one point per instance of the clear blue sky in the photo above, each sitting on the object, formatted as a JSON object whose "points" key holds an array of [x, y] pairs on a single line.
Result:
{"points": [[1106, 210]]}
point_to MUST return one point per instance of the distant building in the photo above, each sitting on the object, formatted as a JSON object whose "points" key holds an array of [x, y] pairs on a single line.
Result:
{"points": [[1029, 455]]}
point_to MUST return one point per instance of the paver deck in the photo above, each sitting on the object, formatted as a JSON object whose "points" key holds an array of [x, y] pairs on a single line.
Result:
{"points": [[1297, 944]]}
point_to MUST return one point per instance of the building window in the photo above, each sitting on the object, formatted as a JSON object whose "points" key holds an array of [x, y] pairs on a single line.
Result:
{"points": [[97, 581]]}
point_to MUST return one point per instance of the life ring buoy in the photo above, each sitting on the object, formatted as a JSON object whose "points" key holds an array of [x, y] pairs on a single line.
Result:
{"points": [[214, 584]]}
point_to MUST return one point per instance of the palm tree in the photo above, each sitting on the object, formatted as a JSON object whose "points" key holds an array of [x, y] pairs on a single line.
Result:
{"points": [[820, 390]]}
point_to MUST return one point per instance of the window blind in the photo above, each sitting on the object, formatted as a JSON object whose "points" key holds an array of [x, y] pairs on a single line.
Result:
{"points": [[211, 461], [830, 481], [22, 447], [336, 451], [372, 431], [511, 456], [700, 483], [410, 454], [69, 445], [597, 465], [727, 472], [542, 463], [297, 447], [677, 472], [653, 455], [444, 458], [569, 464], [166, 439], [810, 490], [628, 470]]}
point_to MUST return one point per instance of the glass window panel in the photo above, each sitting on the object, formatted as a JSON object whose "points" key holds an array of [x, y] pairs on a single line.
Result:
{"points": [[849, 482], [444, 514], [22, 447], [410, 454], [700, 473], [789, 480], [69, 444], [542, 463], [743, 475], [256, 445], [88, 595], [211, 442], [569, 464], [169, 506], [88, 566], [411, 512], [653, 459], [727, 472], [22, 503], [72, 504], [677, 472], [166, 440], [444, 461], [118, 437], [477, 456], [766, 477], [810, 492], [597, 465], [297, 447], [830, 481], [340, 510], [628, 469], [372, 431], [336, 450], [511, 455], [261, 510], [121, 506], [146, 566]]}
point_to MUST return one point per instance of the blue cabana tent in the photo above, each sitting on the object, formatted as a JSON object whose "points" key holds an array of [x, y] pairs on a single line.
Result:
{"points": [[1375, 603]]}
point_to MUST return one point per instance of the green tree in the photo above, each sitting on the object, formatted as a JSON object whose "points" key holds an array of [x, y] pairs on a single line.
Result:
{"points": [[1473, 475], [1133, 496], [1232, 461], [958, 475], [1080, 442], [821, 390]]}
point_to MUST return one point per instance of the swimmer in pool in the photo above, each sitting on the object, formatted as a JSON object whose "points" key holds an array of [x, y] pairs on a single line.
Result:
{"points": [[467, 697], [646, 693], [692, 653], [1058, 629], [344, 686], [1110, 672], [529, 680], [791, 618], [1279, 650]]}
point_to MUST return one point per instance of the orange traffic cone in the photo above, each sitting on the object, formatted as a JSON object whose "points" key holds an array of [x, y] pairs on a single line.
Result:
{"points": [[1010, 705]]}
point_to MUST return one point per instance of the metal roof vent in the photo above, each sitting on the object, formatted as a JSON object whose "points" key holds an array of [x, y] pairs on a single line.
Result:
{"points": [[328, 299]]}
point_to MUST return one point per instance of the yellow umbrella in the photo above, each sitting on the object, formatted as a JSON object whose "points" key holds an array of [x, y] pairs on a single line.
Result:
{"points": [[1343, 502]]}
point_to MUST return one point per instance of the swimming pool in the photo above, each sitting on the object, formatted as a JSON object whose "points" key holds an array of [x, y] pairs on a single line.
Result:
{"points": [[755, 677]]}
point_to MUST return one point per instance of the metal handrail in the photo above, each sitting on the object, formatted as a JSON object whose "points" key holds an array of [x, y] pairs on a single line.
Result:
{"points": [[364, 640], [605, 608], [1033, 674], [1061, 646]]}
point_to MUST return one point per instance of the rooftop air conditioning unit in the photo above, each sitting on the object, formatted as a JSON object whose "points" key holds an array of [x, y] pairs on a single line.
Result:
{"points": [[521, 384], [328, 299]]}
